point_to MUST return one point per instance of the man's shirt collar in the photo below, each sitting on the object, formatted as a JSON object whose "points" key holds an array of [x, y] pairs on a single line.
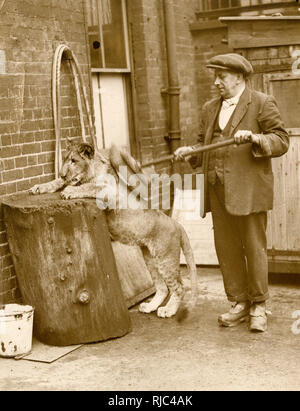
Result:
{"points": [[234, 100]]}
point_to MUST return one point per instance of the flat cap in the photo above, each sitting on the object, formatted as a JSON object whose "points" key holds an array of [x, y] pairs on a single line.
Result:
{"points": [[231, 61]]}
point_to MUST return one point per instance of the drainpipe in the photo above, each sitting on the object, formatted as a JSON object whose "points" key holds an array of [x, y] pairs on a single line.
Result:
{"points": [[173, 90]]}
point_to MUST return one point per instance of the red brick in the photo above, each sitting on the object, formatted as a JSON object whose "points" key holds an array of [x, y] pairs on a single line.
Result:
{"points": [[27, 137], [31, 148], [6, 273], [21, 162], [46, 158], [2, 190], [2, 225], [7, 127], [6, 140], [8, 284], [46, 178], [24, 185], [10, 151], [11, 188], [33, 171], [35, 180], [32, 160], [3, 238], [48, 146], [48, 168], [4, 250], [12, 175], [7, 261], [9, 164]]}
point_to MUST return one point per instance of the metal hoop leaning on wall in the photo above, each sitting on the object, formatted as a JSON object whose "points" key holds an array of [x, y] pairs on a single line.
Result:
{"points": [[79, 86]]}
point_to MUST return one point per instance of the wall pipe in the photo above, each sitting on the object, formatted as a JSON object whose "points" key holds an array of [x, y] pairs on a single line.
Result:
{"points": [[173, 90]]}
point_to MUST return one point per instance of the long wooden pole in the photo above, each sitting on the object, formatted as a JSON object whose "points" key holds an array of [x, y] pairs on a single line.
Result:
{"points": [[202, 149]]}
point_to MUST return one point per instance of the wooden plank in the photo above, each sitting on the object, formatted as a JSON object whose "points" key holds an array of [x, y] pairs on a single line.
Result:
{"points": [[284, 267], [252, 41], [48, 353], [287, 254], [135, 279], [278, 215], [261, 32], [207, 25], [231, 11], [270, 231]]}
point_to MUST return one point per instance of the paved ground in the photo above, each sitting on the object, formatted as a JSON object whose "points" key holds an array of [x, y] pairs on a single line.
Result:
{"points": [[160, 354]]}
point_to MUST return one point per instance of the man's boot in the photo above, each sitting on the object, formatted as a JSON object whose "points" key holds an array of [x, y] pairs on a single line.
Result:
{"points": [[258, 317], [238, 313]]}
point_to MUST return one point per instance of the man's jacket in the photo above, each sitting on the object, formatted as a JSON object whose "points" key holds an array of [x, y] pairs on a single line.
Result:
{"points": [[248, 176]]}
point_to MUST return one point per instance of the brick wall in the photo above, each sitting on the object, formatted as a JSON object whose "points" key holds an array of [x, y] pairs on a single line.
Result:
{"points": [[190, 103], [208, 43], [146, 24], [147, 41], [30, 31]]}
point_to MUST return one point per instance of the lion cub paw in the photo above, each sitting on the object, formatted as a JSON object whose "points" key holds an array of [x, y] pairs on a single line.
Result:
{"points": [[166, 312], [38, 189], [146, 308], [69, 192]]}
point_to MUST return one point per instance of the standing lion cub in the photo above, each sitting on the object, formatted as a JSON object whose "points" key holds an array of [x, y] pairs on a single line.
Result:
{"points": [[159, 236]]}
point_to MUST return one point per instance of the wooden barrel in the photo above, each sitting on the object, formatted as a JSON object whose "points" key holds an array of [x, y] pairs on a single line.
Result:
{"points": [[66, 268]]}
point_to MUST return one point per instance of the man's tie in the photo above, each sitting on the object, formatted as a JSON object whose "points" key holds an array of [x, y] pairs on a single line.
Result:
{"points": [[227, 103]]}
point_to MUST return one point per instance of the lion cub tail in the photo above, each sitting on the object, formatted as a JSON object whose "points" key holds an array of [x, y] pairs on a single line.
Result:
{"points": [[183, 311]]}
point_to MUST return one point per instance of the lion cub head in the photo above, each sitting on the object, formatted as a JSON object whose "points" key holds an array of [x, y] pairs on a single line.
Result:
{"points": [[77, 165]]}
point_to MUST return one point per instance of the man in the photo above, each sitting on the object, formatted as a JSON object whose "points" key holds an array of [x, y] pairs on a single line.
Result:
{"points": [[239, 184]]}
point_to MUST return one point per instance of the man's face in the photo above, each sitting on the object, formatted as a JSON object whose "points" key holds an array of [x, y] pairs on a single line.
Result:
{"points": [[227, 82]]}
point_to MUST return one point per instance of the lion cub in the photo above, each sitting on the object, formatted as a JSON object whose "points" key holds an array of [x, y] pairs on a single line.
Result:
{"points": [[160, 237]]}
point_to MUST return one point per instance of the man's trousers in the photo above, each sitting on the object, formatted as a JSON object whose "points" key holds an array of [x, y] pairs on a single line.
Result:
{"points": [[241, 247]]}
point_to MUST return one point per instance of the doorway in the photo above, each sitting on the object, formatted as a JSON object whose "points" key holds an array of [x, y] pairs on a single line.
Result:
{"points": [[111, 110]]}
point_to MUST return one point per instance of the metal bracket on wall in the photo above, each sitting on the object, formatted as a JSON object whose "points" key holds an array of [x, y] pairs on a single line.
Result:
{"points": [[173, 135], [171, 91]]}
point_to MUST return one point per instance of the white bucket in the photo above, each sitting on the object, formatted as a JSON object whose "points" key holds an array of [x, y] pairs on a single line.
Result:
{"points": [[16, 322]]}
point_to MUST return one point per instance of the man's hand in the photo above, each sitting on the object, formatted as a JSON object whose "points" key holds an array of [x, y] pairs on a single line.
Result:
{"points": [[181, 151], [245, 136]]}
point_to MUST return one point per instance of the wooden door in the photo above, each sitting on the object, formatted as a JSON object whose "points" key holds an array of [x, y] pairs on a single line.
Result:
{"points": [[284, 219]]}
